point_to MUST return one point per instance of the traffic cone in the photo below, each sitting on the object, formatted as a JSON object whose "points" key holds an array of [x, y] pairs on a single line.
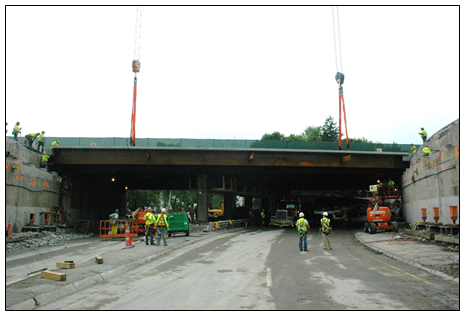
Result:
{"points": [[128, 237], [9, 226]]}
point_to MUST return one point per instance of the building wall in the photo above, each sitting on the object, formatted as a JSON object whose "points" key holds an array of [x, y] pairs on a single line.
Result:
{"points": [[434, 181]]}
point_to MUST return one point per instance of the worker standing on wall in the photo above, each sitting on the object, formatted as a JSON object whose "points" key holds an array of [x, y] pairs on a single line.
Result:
{"points": [[41, 141], [325, 230], [150, 221], [114, 221], [302, 227], [162, 225], [16, 131], [423, 134]]}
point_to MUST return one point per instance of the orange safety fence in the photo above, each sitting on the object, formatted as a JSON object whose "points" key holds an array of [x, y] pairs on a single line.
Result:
{"points": [[105, 228]]}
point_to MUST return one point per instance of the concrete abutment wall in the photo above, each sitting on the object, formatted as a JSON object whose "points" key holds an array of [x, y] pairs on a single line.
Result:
{"points": [[434, 181]]}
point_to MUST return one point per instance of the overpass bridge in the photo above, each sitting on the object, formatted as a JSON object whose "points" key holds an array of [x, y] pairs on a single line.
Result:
{"points": [[100, 170]]}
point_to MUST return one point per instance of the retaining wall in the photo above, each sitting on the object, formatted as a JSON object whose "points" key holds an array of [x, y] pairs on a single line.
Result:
{"points": [[434, 181], [29, 189]]}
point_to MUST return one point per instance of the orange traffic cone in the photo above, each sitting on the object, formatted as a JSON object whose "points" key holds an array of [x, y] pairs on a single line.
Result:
{"points": [[128, 237], [9, 226]]}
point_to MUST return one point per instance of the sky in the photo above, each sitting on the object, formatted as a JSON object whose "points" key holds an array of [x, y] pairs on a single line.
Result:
{"points": [[231, 72]]}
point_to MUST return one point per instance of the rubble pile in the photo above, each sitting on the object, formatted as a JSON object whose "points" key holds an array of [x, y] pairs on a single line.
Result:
{"points": [[44, 239]]}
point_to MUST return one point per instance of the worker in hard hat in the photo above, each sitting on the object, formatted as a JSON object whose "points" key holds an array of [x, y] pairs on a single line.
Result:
{"points": [[114, 222], [150, 221], [41, 141], [302, 227], [162, 225], [55, 143], [16, 131], [325, 230], [426, 151], [31, 137], [423, 134]]}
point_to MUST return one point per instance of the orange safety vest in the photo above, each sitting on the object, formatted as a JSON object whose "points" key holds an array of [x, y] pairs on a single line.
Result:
{"points": [[163, 222]]}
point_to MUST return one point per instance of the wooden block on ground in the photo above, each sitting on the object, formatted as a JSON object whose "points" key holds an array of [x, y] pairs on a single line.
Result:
{"points": [[54, 275], [99, 260], [65, 265]]}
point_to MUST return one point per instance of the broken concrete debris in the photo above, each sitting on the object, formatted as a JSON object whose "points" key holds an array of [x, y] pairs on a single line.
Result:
{"points": [[43, 240]]}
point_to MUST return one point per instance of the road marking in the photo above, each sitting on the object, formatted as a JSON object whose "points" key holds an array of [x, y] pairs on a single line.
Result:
{"points": [[268, 277], [409, 274]]}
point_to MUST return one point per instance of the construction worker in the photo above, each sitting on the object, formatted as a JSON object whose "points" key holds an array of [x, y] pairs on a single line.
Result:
{"points": [[325, 230], [150, 221], [55, 143], [302, 227], [44, 160], [16, 131], [423, 134], [114, 221], [162, 225], [413, 150], [263, 217], [192, 214], [41, 141], [345, 218], [426, 151], [31, 137]]}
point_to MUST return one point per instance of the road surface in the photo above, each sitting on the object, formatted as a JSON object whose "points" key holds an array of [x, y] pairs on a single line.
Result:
{"points": [[264, 270]]}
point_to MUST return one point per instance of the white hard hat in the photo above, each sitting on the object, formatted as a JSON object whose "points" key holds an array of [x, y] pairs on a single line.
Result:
{"points": [[301, 215], [325, 214], [163, 210]]}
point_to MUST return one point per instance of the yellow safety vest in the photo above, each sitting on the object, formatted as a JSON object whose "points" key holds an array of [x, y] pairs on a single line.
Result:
{"points": [[325, 223], [301, 225], [162, 222], [149, 218]]}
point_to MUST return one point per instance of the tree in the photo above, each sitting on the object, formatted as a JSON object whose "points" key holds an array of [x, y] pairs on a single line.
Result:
{"points": [[273, 136], [329, 130], [140, 199], [312, 134], [293, 137]]}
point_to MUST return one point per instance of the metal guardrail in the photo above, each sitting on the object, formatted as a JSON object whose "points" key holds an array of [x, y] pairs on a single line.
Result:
{"points": [[218, 225]]}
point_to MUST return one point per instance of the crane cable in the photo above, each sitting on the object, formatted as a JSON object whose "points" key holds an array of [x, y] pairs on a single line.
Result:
{"points": [[339, 78], [136, 68]]}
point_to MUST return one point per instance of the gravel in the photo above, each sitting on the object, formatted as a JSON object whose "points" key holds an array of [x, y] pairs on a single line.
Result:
{"points": [[43, 239]]}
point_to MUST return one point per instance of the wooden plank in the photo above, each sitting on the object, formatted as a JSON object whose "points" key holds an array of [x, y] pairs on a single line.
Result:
{"points": [[65, 265], [99, 260], [53, 275]]}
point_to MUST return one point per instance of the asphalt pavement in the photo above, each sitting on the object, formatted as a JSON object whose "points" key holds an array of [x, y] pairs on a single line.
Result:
{"points": [[25, 292]]}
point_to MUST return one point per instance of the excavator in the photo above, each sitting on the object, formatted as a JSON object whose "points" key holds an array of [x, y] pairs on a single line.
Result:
{"points": [[379, 217]]}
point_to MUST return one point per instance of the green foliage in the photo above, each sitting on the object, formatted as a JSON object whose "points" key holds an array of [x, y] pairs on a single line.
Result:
{"points": [[177, 200], [360, 140], [293, 137], [273, 136], [216, 200], [312, 134], [329, 130], [140, 199]]}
